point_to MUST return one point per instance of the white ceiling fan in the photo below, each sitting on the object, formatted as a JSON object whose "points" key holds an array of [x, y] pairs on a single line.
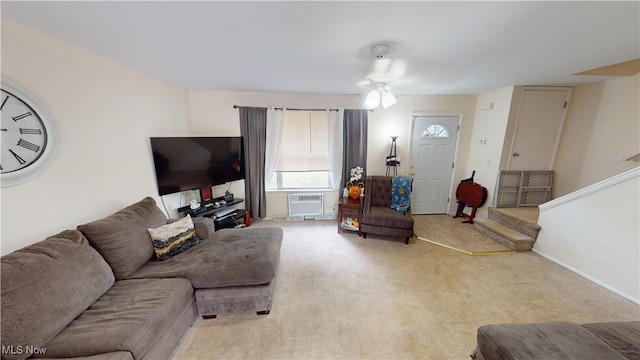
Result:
{"points": [[382, 73]]}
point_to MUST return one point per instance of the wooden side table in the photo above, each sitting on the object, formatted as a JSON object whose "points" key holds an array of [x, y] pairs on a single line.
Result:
{"points": [[349, 213]]}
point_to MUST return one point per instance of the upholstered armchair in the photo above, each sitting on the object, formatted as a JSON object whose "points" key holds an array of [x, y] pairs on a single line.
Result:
{"points": [[378, 217]]}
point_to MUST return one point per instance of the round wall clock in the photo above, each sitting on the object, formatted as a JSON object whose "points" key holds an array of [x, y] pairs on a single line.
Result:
{"points": [[28, 138]]}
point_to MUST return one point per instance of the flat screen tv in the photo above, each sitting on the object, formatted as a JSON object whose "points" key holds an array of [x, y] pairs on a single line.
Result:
{"points": [[187, 163]]}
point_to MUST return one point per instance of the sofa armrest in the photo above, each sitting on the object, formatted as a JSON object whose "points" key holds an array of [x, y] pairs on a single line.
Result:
{"points": [[204, 227]]}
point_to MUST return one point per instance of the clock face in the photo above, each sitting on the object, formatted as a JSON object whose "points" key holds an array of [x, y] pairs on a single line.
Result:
{"points": [[27, 138]]}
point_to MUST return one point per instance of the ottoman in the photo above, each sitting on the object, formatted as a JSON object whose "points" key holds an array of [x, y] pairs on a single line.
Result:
{"points": [[232, 271], [235, 299]]}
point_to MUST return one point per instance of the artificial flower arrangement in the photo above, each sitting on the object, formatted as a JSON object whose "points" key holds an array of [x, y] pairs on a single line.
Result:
{"points": [[355, 187]]}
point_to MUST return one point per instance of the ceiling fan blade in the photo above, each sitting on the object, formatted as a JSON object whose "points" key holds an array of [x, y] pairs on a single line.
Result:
{"points": [[398, 68], [381, 65]]}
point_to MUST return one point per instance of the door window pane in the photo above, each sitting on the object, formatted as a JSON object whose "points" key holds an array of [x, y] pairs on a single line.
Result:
{"points": [[435, 131]]}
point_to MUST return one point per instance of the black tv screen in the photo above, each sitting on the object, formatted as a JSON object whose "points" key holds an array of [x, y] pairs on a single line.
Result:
{"points": [[187, 163]]}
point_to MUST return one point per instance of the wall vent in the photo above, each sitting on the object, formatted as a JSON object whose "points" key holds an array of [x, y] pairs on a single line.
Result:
{"points": [[306, 204], [288, 218]]}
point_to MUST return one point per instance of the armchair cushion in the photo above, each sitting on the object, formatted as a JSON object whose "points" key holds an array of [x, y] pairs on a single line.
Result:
{"points": [[387, 217]]}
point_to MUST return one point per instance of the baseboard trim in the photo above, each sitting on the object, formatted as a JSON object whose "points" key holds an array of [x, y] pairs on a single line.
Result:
{"points": [[587, 276]]}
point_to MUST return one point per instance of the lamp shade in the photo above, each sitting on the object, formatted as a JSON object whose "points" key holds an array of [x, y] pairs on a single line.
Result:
{"points": [[373, 99], [388, 99]]}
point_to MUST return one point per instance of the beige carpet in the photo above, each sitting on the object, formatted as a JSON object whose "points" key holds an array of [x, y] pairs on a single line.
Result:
{"points": [[451, 232], [339, 296]]}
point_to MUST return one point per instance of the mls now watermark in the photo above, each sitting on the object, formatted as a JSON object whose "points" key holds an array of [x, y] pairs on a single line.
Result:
{"points": [[28, 350]]}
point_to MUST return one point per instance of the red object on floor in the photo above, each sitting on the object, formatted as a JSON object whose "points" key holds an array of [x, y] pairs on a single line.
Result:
{"points": [[247, 218], [470, 194]]}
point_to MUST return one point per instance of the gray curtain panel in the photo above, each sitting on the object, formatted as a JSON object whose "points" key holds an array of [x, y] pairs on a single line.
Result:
{"points": [[355, 142], [253, 128]]}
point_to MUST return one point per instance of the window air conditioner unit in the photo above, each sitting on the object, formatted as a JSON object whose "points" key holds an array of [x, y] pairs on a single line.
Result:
{"points": [[306, 204]]}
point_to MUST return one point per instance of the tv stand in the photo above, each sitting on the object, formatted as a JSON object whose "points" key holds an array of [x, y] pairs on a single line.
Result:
{"points": [[220, 214]]}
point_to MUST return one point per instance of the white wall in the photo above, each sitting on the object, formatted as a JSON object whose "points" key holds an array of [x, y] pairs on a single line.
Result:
{"points": [[489, 125], [105, 114], [602, 128], [213, 113], [595, 232]]}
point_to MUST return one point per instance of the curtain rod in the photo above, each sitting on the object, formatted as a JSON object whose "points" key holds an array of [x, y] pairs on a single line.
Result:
{"points": [[294, 109]]}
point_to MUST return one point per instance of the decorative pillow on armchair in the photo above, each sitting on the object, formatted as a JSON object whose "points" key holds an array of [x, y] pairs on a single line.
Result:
{"points": [[401, 192], [174, 238]]}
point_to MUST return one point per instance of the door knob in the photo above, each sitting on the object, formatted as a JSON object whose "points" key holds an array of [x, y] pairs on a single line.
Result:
{"points": [[516, 154], [412, 173]]}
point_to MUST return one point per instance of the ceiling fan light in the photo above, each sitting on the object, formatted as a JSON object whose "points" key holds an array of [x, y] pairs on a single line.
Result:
{"points": [[373, 99], [388, 99]]}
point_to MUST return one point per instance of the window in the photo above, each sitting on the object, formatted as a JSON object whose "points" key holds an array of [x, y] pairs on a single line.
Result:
{"points": [[435, 131], [303, 158]]}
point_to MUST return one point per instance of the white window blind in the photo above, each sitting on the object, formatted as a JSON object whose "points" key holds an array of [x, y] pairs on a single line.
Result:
{"points": [[305, 141]]}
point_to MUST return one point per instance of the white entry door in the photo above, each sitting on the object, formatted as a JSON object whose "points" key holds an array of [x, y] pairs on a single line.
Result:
{"points": [[539, 127], [432, 151]]}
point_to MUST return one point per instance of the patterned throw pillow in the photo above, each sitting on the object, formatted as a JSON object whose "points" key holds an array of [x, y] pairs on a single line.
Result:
{"points": [[174, 238], [401, 193]]}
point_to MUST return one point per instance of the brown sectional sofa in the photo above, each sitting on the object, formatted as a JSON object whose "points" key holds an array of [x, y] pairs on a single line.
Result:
{"points": [[558, 340], [98, 293]]}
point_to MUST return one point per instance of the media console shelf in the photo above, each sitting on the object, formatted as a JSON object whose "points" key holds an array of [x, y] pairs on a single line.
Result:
{"points": [[217, 213]]}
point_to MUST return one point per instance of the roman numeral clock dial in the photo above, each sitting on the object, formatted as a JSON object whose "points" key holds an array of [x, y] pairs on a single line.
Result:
{"points": [[28, 139]]}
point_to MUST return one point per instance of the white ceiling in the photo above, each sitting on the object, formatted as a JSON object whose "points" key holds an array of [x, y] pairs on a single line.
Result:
{"points": [[323, 47]]}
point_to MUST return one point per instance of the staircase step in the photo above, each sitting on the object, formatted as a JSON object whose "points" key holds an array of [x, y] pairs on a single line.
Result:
{"points": [[523, 220], [503, 234]]}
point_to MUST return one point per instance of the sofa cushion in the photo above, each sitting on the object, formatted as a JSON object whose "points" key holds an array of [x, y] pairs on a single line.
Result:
{"points": [[45, 286], [549, 340], [624, 336], [130, 317], [174, 238], [387, 217], [204, 226], [122, 238], [231, 257]]}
